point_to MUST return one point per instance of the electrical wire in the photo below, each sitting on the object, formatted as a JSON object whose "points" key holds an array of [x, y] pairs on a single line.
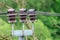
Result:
{"points": [[37, 13]]}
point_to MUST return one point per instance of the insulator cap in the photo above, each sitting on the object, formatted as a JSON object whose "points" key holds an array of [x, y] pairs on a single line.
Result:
{"points": [[32, 14], [23, 15], [31, 10], [11, 10], [22, 10], [11, 15]]}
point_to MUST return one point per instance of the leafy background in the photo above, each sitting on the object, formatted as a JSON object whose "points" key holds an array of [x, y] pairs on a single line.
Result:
{"points": [[46, 27]]}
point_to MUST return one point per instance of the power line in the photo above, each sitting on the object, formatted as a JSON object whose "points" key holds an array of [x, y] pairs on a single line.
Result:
{"points": [[47, 13], [37, 13]]}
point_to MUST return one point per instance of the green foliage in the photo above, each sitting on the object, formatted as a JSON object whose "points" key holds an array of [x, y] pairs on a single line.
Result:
{"points": [[47, 27]]}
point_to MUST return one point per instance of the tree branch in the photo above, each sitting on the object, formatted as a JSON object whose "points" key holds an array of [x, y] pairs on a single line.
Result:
{"points": [[4, 5]]}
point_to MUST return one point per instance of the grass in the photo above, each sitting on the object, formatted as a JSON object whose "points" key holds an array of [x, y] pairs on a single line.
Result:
{"points": [[41, 31]]}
